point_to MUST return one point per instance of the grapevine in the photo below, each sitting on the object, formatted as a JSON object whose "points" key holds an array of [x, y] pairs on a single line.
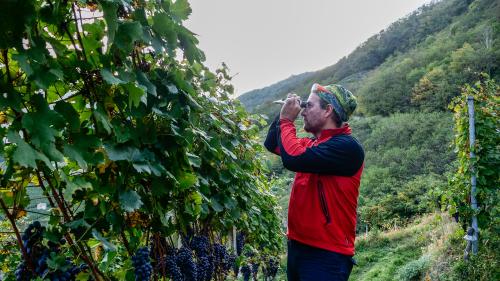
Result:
{"points": [[107, 109]]}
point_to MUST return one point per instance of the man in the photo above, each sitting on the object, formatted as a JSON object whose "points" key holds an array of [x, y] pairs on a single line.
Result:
{"points": [[323, 201]]}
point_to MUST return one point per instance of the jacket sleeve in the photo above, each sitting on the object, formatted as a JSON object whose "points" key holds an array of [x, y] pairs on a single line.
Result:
{"points": [[340, 155], [271, 142]]}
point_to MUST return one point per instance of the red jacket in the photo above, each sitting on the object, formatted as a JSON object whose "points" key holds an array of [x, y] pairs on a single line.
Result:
{"points": [[323, 202]]}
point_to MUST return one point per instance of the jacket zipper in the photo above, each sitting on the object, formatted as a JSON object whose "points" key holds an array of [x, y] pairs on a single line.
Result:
{"points": [[322, 201]]}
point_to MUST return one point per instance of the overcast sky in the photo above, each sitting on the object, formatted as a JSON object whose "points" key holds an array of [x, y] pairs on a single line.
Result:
{"points": [[265, 41]]}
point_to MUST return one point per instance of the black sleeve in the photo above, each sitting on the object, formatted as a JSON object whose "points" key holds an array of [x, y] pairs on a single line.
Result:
{"points": [[341, 155], [271, 141]]}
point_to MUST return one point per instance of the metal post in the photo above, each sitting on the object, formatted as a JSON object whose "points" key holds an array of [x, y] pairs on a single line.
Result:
{"points": [[472, 129], [234, 239]]}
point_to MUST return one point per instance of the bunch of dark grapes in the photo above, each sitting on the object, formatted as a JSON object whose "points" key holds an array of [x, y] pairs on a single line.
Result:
{"points": [[32, 244], [240, 242], [205, 264], [246, 272], [67, 275], [167, 265], [271, 268], [38, 255], [200, 245], [255, 269], [203, 267], [142, 264], [236, 269], [220, 258], [230, 262], [186, 264]]}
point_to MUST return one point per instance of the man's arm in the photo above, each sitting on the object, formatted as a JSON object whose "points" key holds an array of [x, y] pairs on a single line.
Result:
{"points": [[341, 155], [271, 142]]}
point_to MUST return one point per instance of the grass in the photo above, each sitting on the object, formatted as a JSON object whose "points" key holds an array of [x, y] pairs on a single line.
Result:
{"points": [[404, 253]]}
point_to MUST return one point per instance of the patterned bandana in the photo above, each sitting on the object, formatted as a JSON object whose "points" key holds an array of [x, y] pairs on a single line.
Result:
{"points": [[343, 101]]}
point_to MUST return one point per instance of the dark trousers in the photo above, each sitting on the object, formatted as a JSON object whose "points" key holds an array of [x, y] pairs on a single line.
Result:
{"points": [[309, 263]]}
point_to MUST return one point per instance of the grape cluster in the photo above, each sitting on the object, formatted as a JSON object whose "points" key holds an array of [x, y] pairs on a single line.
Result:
{"points": [[197, 260], [270, 269], [255, 269], [32, 238], [245, 270], [240, 242], [205, 264], [186, 264], [142, 264], [230, 262], [38, 255], [168, 266], [220, 257]]}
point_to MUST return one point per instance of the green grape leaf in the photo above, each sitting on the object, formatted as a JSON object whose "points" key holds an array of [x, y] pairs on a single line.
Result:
{"points": [[188, 43], [144, 81], [15, 15], [127, 34], [180, 9], [130, 200], [109, 10], [24, 154], [194, 160], [214, 203], [69, 113], [105, 243], [136, 94], [77, 224], [83, 150], [72, 186], [187, 180], [102, 118], [56, 261], [121, 152], [43, 123], [165, 27], [110, 78]]}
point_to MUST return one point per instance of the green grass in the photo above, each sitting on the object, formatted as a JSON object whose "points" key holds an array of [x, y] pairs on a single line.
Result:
{"points": [[402, 254]]}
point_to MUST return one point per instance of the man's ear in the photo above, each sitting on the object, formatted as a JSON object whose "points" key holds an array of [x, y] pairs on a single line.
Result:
{"points": [[329, 111]]}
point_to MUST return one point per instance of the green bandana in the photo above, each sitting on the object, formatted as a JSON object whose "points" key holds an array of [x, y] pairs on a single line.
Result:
{"points": [[343, 101]]}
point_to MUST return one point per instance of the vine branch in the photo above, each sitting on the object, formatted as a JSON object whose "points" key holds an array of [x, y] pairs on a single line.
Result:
{"points": [[18, 236]]}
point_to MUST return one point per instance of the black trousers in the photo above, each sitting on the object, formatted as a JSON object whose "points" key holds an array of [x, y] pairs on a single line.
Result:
{"points": [[306, 263]]}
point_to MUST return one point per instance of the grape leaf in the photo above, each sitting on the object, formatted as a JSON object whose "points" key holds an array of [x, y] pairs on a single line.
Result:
{"points": [[127, 34], [24, 154], [180, 10], [105, 243], [109, 9], [130, 200]]}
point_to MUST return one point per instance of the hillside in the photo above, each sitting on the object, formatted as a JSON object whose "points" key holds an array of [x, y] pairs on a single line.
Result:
{"points": [[401, 68]]}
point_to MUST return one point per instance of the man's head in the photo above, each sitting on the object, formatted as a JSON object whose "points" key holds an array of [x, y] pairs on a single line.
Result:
{"points": [[327, 107]]}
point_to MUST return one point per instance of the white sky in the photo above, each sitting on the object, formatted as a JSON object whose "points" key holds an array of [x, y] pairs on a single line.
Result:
{"points": [[265, 41]]}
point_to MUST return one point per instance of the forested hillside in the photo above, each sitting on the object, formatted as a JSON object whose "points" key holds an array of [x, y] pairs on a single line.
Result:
{"points": [[405, 78], [416, 63]]}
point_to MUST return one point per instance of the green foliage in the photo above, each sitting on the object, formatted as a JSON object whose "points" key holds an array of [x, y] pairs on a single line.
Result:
{"points": [[406, 158], [128, 134], [414, 270], [429, 75], [484, 165], [487, 155]]}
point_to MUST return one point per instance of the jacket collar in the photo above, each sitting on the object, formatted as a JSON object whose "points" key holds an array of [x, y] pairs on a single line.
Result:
{"points": [[344, 130]]}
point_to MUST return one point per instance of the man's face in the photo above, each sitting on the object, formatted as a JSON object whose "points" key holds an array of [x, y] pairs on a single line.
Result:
{"points": [[314, 116]]}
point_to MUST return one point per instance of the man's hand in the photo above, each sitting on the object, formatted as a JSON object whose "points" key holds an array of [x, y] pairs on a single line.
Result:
{"points": [[291, 108]]}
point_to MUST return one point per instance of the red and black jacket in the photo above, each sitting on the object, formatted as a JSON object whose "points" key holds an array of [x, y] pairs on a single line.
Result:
{"points": [[324, 197]]}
